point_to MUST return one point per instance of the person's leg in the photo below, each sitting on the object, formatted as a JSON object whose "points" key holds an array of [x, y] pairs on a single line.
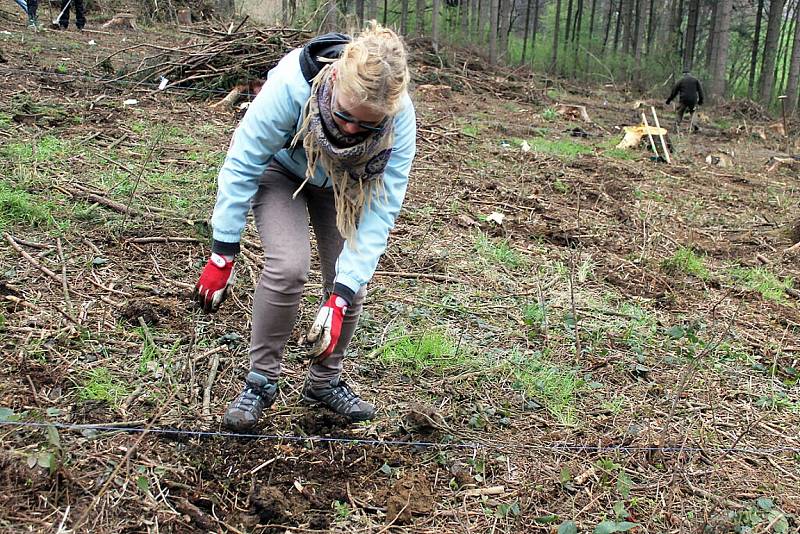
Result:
{"points": [[322, 210], [283, 226], [63, 22], [680, 110], [33, 6], [80, 18], [324, 384], [692, 124]]}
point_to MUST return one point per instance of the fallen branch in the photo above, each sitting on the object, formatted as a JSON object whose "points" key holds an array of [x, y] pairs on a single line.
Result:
{"points": [[212, 375], [430, 276]]}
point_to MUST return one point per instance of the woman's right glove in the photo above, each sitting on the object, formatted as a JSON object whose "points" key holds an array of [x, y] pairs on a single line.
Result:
{"points": [[215, 283]]}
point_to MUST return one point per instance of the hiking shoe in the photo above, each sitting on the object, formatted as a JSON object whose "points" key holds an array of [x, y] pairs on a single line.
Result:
{"points": [[340, 398], [34, 25], [245, 410]]}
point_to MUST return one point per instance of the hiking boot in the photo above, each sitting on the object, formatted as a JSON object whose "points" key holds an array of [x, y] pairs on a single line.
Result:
{"points": [[340, 398], [245, 410], [34, 25]]}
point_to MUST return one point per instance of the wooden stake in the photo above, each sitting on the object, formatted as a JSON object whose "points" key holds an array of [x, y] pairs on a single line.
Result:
{"points": [[663, 142], [649, 135]]}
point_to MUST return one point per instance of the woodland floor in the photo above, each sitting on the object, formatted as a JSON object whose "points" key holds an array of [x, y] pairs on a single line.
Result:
{"points": [[623, 346]]}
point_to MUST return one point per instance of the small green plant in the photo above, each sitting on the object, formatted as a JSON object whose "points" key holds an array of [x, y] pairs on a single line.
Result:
{"points": [[19, 207], [341, 509], [470, 130], [535, 315], [553, 386], [685, 260], [549, 114], [103, 386], [763, 281], [621, 153], [428, 350], [560, 187], [498, 252], [61, 68], [565, 148]]}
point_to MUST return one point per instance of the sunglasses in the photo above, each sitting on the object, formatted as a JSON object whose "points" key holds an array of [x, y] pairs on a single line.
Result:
{"points": [[364, 125], [368, 126]]}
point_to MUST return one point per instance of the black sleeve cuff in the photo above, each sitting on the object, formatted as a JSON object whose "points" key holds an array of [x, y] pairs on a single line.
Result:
{"points": [[224, 249], [345, 292]]}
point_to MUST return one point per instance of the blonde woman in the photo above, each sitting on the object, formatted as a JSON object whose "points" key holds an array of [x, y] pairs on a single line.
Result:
{"points": [[329, 139]]}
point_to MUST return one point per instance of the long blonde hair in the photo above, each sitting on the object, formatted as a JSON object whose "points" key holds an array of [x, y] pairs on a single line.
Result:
{"points": [[373, 69]]}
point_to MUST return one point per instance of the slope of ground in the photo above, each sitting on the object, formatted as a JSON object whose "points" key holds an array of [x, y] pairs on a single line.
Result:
{"points": [[570, 333]]}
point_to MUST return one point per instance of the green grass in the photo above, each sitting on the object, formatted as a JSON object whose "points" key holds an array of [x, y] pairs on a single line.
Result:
{"points": [[103, 386], [423, 351], [685, 260], [621, 153], [19, 207], [549, 114], [763, 281], [498, 252], [46, 149], [563, 148], [554, 386]]}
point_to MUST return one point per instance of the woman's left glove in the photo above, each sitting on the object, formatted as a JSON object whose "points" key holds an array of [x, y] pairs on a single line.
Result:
{"points": [[327, 327], [215, 283]]}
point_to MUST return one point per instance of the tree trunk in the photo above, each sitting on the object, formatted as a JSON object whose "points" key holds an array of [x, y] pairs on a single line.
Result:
{"points": [[754, 53], [722, 28], [504, 26], [691, 35], [627, 42], [463, 9], [567, 24], [419, 17], [783, 49], [535, 28], [525, 34], [435, 26], [557, 24], [475, 9], [372, 9], [591, 21], [770, 49], [618, 29], [609, 18], [493, 16], [794, 68], [637, 41], [360, 12], [576, 37], [404, 17], [651, 26], [330, 23], [711, 43]]}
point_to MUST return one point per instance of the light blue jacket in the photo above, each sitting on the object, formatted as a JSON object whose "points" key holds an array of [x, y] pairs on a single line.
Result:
{"points": [[270, 122]]}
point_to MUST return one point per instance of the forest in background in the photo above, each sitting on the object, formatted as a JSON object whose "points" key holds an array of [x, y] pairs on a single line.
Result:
{"points": [[739, 48]]}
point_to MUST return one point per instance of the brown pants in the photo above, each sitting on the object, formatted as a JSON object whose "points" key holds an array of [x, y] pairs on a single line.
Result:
{"points": [[681, 110], [283, 226]]}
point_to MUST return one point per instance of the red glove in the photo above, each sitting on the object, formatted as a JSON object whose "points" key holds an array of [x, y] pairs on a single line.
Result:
{"points": [[327, 327], [214, 284]]}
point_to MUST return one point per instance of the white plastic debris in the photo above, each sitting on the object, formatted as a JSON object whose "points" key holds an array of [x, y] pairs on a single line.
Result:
{"points": [[525, 146], [244, 105], [6, 32], [496, 217], [130, 102], [91, 42], [162, 83]]}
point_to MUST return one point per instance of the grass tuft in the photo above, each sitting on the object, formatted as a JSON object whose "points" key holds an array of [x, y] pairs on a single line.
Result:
{"points": [[428, 350], [103, 386], [563, 148], [498, 252], [553, 386], [763, 281], [686, 261], [19, 207]]}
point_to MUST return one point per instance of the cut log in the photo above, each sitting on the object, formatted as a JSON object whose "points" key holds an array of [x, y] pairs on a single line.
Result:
{"points": [[437, 92], [573, 112], [720, 159], [121, 21], [185, 16], [634, 135]]}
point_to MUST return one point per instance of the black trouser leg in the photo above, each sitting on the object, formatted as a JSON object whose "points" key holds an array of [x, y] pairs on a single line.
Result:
{"points": [[33, 5], [64, 20], [80, 18]]}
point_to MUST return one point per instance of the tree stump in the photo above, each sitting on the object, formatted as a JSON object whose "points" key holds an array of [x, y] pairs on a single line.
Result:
{"points": [[121, 21], [185, 17]]}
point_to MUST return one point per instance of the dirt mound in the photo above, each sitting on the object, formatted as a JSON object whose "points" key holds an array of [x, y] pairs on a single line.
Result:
{"points": [[746, 109]]}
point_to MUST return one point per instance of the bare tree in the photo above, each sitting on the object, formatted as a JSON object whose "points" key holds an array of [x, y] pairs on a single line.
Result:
{"points": [[493, 16], [435, 25], [463, 12], [419, 18], [556, 26], [754, 53], [774, 22], [691, 35], [722, 30], [794, 68], [527, 30], [404, 17], [504, 25]]}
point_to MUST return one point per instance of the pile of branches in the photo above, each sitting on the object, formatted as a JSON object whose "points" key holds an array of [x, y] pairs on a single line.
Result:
{"points": [[744, 108], [217, 59]]}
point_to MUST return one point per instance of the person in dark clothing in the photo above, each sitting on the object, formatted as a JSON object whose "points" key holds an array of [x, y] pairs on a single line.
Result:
{"points": [[80, 19], [690, 95], [31, 7]]}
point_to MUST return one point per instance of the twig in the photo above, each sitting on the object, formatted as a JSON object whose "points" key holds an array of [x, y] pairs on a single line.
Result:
{"points": [[155, 142], [31, 259], [64, 285], [212, 375], [430, 276]]}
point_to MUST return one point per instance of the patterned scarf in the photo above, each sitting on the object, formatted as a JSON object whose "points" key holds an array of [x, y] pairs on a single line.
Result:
{"points": [[355, 164]]}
